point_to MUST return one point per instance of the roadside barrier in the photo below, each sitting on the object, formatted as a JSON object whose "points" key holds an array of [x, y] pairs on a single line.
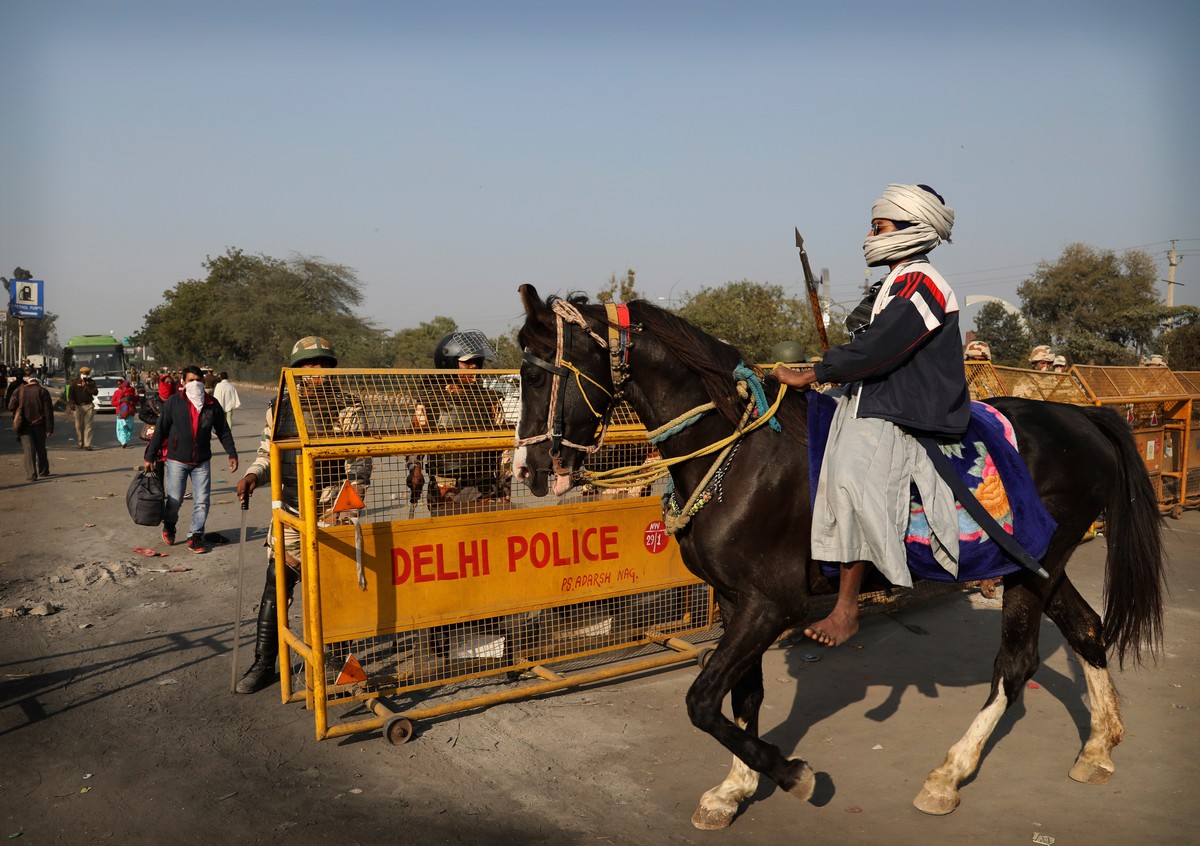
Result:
{"points": [[1181, 447], [986, 380], [1161, 406], [1158, 409], [430, 584]]}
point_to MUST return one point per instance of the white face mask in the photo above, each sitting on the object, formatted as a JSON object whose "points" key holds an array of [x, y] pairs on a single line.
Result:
{"points": [[195, 392]]}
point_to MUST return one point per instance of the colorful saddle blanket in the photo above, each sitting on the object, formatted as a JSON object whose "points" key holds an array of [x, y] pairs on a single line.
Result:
{"points": [[988, 461]]}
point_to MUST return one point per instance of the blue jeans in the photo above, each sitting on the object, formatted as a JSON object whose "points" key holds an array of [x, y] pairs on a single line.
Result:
{"points": [[175, 481]]}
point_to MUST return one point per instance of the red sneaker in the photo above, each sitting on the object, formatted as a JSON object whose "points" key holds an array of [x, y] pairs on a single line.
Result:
{"points": [[196, 544], [168, 535]]}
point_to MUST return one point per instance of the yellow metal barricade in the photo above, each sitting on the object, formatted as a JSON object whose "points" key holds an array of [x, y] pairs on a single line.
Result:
{"points": [[1158, 408], [1157, 403], [1181, 450], [983, 381], [1031, 384], [430, 595]]}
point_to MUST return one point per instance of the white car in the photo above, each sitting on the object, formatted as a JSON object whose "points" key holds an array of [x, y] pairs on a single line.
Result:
{"points": [[107, 385]]}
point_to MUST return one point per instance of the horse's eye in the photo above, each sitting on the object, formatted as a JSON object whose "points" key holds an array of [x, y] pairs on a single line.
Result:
{"points": [[534, 377]]}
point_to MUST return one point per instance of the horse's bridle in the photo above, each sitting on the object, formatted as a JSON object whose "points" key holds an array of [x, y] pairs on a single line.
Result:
{"points": [[618, 345]]}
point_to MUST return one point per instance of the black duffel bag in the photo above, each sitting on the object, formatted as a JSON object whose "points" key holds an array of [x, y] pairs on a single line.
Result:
{"points": [[145, 499]]}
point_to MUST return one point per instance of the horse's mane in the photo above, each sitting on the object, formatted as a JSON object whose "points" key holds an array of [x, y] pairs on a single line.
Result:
{"points": [[712, 360]]}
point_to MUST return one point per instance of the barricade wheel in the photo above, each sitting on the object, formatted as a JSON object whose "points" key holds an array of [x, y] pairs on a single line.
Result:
{"points": [[399, 730], [703, 656]]}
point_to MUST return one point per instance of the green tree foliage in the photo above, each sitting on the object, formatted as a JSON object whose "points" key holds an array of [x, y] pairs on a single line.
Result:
{"points": [[754, 317], [250, 309], [39, 334], [414, 347], [1005, 335], [1181, 342], [508, 351], [619, 289], [1093, 305]]}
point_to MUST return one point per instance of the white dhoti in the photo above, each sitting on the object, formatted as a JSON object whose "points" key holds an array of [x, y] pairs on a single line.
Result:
{"points": [[861, 511]]}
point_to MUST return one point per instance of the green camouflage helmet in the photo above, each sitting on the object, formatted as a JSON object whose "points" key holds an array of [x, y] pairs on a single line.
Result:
{"points": [[787, 352], [312, 348]]}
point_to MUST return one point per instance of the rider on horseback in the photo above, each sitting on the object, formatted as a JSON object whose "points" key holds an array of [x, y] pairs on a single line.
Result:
{"points": [[904, 376]]}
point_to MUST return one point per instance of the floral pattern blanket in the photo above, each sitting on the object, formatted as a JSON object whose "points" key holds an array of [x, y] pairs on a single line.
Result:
{"points": [[988, 461]]}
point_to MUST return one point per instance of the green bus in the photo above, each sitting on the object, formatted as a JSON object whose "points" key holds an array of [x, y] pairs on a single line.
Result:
{"points": [[103, 353]]}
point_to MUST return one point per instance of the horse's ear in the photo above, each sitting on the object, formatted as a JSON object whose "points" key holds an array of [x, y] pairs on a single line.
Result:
{"points": [[535, 309]]}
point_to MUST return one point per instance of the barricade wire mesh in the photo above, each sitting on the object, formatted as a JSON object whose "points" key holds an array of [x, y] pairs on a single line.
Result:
{"points": [[434, 656], [1116, 383], [438, 415], [1189, 380], [1042, 385], [415, 445], [983, 381]]}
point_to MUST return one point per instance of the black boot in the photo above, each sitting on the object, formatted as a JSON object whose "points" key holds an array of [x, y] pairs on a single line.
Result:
{"points": [[266, 645]]}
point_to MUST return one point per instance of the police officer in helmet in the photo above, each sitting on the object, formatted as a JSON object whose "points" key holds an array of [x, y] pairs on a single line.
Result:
{"points": [[326, 410], [458, 402]]}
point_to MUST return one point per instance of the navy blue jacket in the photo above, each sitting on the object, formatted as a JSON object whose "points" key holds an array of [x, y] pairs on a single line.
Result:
{"points": [[909, 358], [175, 430]]}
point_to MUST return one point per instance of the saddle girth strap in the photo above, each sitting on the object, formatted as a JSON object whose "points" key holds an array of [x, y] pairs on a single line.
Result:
{"points": [[975, 508]]}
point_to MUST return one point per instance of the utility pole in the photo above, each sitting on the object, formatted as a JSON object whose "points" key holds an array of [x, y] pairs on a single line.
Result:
{"points": [[825, 300], [1172, 262]]}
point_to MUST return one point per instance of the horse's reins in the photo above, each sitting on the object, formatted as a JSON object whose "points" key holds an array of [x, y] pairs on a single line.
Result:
{"points": [[618, 344]]}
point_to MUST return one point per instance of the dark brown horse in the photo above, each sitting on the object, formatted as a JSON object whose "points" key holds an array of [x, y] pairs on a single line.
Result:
{"points": [[752, 545]]}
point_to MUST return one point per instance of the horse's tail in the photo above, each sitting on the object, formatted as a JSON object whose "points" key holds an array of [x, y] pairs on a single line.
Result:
{"points": [[1134, 574]]}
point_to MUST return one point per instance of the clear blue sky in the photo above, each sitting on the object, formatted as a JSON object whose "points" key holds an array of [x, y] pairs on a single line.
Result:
{"points": [[451, 151]]}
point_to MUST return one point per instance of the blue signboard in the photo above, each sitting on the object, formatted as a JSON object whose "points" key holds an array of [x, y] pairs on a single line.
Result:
{"points": [[25, 298]]}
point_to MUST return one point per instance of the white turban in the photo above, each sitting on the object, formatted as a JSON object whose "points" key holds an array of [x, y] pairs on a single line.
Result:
{"points": [[929, 217]]}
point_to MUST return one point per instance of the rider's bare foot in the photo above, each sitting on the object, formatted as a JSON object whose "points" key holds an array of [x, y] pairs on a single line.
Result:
{"points": [[834, 630]]}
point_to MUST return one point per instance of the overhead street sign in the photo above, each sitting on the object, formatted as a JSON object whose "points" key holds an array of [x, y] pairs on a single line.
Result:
{"points": [[26, 298]]}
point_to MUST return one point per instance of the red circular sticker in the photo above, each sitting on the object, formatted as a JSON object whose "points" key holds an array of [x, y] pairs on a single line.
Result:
{"points": [[655, 537]]}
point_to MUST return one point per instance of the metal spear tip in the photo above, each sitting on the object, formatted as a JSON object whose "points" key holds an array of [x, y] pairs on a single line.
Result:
{"points": [[799, 239]]}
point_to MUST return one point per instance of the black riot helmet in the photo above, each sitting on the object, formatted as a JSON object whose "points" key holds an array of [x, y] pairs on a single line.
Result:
{"points": [[461, 346]]}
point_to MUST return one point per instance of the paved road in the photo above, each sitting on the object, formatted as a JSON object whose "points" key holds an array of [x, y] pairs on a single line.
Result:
{"points": [[116, 725]]}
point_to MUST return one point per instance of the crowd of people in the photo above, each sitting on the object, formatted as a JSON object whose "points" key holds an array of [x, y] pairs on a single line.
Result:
{"points": [[139, 398]]}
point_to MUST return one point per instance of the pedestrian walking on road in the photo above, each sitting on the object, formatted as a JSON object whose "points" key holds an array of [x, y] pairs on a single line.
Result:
{"points": [[79, 395], [124, 400], [10, 387], [32, 402], [226, 394], [185, 428]]}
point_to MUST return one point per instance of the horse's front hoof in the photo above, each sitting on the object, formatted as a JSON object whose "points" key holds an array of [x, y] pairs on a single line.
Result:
{"points": [[937, 804], [802, 781], [711, 819], [1089, 772]]}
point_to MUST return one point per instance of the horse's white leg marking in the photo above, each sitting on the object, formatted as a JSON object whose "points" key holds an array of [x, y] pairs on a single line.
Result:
{"points": [[1094, 764], [718, 806], [939, 794]]}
